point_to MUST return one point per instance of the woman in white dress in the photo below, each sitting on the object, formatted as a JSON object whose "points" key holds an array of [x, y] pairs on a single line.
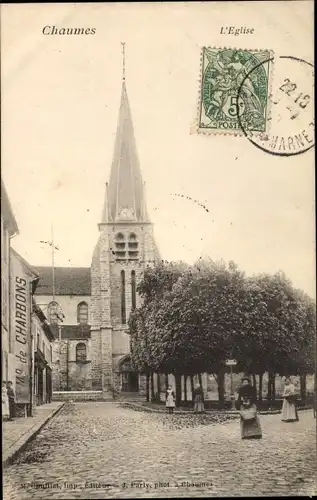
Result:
{"points": [[289, 411], [5, 402], [170, 399]]}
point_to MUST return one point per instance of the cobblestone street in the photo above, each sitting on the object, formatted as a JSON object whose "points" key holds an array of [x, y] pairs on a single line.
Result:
{"points": [[88, 446]]}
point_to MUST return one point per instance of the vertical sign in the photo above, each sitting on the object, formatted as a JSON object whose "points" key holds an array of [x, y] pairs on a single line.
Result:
{"points": [[21, 328]]}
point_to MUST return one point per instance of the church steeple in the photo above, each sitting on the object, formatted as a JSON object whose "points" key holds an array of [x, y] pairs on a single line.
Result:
{"points": [[125, 199]]}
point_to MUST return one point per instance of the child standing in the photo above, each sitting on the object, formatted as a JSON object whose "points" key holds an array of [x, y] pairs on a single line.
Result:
{"points": [[170, 399]]}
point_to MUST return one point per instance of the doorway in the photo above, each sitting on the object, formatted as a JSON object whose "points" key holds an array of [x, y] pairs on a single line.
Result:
{"points": [[129, 376], [130, 382], [133, 382]]}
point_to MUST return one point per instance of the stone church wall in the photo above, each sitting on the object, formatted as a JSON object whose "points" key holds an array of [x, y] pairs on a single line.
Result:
{"points": [[120, 342], [69, 374], [68, 305]]}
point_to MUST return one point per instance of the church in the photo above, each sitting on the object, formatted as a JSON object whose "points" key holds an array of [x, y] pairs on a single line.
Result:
{"points": [[89, 308]]}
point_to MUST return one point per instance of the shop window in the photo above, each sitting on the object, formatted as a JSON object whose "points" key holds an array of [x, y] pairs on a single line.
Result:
{"points": [[82, 313], [81, 352]]}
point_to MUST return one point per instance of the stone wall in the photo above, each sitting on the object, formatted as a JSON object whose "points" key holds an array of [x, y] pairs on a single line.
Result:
{"points": [[77, 396], [96, 320], [109, 339], [68, 304], [68, 374], [120, 341]]}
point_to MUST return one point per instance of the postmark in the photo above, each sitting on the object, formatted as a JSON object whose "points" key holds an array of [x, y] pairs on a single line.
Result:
{"points": [[234, 91], [291, 113]]}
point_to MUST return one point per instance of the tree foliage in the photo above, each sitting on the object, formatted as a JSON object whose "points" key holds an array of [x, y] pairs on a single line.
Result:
{"points": [[193, 318]]}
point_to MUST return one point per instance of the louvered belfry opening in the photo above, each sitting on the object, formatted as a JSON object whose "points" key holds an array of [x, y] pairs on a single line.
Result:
{"points": [[133, 247], [120, 247]]}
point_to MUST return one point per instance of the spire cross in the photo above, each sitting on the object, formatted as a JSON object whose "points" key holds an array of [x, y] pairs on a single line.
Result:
{"points": [[123, 60]]}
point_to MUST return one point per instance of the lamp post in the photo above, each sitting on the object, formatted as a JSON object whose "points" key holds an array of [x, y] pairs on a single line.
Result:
{"points": [[231, 363]]}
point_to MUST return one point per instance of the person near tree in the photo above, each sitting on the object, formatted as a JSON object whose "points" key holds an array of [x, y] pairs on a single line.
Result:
{"points": [[249, 419], [198, 399], [170, 399], [289, 410]]}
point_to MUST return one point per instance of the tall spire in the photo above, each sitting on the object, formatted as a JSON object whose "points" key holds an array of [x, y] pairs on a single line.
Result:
{"points": [[125, 190]]}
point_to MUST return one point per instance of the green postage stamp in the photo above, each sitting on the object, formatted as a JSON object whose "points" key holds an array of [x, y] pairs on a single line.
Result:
{"points": [[234, 91]]}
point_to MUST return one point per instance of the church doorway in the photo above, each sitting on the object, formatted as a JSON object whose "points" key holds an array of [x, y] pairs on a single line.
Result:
{"points": [[129, 376]]}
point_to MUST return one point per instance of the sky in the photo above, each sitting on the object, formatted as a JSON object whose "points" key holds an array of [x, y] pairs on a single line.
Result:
{"points": [[60, 104]]}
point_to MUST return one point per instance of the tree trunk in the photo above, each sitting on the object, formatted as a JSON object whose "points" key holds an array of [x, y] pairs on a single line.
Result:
{"points": [[260, 386], [221, 386], [166, 381], [192, 386], [158, 387], [303, 388], [273, 387], [254, 383], [147, 389], [200, 380], [185, 388], [178, 387], [152, 387], [269, 386]]}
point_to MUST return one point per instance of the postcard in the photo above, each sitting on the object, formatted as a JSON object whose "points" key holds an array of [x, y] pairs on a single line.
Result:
{"points": [[158, 250]]}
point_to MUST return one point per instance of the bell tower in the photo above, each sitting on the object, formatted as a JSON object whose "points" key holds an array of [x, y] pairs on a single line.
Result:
{"points": [[124, 249]]}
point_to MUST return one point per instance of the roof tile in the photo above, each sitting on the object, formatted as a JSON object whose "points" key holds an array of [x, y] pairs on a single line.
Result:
{"points": [[68, 280]]}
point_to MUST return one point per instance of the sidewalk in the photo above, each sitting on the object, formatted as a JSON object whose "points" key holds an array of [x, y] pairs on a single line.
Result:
{"points": [[16, 434]]}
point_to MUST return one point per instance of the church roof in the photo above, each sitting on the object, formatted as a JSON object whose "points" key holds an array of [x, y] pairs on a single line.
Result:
{"points": [[125, 199], [68, 280], [74, 332]]}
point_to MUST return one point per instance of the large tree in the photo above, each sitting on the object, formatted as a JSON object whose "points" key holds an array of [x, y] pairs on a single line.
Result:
{"points": [[195, 317]]}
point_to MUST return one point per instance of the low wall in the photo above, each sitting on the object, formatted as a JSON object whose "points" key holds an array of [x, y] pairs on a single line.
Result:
{"points": [[78, 396]]}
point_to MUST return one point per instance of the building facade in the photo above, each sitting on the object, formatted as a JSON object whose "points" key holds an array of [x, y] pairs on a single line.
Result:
{"points": [[23, 281], [125, 247], [93, 347], [43, 340], [68, 311], [9, 229]]}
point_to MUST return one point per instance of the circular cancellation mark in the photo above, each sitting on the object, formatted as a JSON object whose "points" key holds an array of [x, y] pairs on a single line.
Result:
{"points": [[290, 110]]}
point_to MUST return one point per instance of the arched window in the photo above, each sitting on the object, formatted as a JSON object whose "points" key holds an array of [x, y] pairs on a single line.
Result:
{"points": [[82, 313], [81, 352], [133, 247], [120, 247], [123, 312], [133, 290], [52, 312]]}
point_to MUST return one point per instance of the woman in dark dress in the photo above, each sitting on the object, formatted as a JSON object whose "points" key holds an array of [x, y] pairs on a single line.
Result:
{"points": [[250, 427], [198, 399]]}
